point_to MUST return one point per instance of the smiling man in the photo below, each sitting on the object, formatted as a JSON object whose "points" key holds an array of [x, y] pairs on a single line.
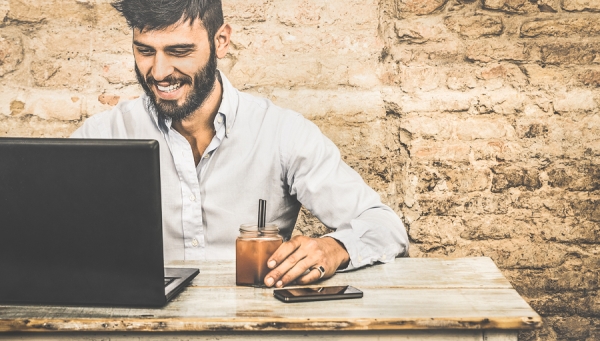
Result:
{"points": [[222, 150]]}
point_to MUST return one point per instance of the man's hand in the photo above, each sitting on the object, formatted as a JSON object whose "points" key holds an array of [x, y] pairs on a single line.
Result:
{"points": [[294, 257]]}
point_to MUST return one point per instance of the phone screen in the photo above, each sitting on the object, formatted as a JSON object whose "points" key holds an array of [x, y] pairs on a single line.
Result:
{"points": [[317, 293]]}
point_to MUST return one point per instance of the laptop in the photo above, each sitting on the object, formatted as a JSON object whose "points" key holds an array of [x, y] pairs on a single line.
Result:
{"points": [[81, 224]]}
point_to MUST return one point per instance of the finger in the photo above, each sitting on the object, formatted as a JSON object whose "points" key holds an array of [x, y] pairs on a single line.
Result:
{"points": [[275, 275], [294, 272], [312, 276], [283, 252]]}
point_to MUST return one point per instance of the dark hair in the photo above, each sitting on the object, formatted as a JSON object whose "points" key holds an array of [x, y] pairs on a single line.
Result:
{"points": [[159, 14]]}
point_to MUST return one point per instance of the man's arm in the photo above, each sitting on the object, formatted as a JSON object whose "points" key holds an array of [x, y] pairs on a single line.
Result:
{"points": [[366, 231]]}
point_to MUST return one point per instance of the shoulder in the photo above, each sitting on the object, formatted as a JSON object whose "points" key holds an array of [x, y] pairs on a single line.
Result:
{"points": [[265, 108], [113, 123]]}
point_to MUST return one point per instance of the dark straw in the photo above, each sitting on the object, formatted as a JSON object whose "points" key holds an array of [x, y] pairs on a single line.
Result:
{"points": [[262, 213]]}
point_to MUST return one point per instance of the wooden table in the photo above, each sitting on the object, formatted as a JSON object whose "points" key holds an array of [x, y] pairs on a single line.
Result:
{"points": [[411, 299]]}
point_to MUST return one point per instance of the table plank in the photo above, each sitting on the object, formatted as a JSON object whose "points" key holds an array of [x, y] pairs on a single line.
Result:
{"points": [[410, 335], [420, 294], [236, 309], [471, 272]]}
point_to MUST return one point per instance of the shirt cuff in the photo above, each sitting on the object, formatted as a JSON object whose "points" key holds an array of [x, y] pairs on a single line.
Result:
{"points": [[361, 249]]}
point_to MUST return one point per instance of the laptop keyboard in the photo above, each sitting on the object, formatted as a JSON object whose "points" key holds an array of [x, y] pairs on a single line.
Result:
{"points": [[168, 280]]}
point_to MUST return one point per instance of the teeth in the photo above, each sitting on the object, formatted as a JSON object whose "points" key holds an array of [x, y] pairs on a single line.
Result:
{"points": [[169, 88]]}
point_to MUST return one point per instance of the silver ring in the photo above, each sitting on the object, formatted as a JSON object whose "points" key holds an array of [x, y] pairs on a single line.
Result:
{"points": [[321, 270]]}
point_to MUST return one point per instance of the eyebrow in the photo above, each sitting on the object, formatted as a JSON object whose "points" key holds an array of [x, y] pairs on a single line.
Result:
{"points": [[169, 47]]}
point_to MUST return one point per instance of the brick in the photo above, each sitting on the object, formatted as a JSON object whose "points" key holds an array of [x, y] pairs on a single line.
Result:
{"points": [[461, 80], [465, 180], [575, 100], [590, 77], [82, 12], [365, 141], [439, 150], [418, 7], [444, 53], [482, 128], [582, 176], [111, 100], [116, 69], [435, 128], [585, 27], [91, 103], [488, 50], [432, 101], [325, 13], [581, 5], [588, 209], [435, 232], [508, 177], [4, 8], [573, 327], [528, 129], [57, 105], [33, 126], [419, 30], [565, 53], [68, 73], [551, 6], [11, 52], [511, 6], [414, 79], [490, 227], [247, 11], [566, 303], [549, 76], [294, 70], [438, 205], [354, 106], [524, 254], [476, 26], [457, 178], [569, 230]]}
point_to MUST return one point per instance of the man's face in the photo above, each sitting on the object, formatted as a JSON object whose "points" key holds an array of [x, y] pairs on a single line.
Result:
{"points": [[176, 67]]}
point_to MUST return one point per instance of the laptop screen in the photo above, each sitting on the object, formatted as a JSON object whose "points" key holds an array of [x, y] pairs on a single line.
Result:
{"points": [[80, 221]]}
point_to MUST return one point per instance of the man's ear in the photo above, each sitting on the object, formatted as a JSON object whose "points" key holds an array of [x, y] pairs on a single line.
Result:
{"points": [[222, 39]]}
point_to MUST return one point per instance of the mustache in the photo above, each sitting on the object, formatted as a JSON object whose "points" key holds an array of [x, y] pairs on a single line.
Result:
{"points": [[170, 79]]}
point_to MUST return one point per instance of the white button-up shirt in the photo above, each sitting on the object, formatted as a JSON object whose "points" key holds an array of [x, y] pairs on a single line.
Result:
{"points": [[259, 151]]}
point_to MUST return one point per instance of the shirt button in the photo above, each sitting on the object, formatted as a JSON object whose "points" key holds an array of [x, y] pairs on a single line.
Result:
{"points": [[192, 197], [194, 242], [219, 120]]}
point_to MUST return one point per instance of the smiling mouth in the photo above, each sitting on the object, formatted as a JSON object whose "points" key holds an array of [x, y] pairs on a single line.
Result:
{"points": [[169, 88]]}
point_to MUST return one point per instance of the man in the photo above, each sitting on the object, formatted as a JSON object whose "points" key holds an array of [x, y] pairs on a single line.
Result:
{"points": [[222, 150]]}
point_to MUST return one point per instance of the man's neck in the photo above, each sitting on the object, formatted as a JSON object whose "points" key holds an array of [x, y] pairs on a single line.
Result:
{"points": [[198, 128]]}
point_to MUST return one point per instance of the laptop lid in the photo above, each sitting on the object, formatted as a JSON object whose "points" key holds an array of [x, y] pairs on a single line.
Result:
{"points": [[80, 222]]}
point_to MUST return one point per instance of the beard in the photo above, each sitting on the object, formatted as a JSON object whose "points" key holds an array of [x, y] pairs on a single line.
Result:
{"points": [[202, 85]]}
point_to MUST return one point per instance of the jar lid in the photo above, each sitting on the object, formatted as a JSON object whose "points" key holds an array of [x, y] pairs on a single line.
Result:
{"points": [[271, 228]]}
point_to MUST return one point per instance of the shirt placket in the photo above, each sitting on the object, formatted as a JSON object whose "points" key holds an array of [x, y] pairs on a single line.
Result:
{"points": [[191, 209]]}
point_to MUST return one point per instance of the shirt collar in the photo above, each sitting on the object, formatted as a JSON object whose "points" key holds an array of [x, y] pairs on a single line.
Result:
{"points": [[227, 110]]}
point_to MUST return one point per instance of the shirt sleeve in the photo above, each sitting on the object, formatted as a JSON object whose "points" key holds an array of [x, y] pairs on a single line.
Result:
{"points": [[93, 127], [337, 195]]}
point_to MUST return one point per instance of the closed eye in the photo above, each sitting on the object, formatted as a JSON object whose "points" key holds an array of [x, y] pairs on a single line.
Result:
{"points": [[145, 51], [180, 52]]}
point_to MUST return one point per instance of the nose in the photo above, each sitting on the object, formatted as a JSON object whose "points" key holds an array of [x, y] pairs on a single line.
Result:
{"points": [[161, 67]]}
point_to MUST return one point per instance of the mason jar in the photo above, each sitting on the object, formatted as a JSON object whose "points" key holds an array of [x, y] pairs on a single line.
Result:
{"points": [[253, 248]]}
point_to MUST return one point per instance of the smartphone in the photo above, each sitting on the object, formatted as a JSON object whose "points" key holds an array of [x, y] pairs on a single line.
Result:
{"points": [[317, 293]]}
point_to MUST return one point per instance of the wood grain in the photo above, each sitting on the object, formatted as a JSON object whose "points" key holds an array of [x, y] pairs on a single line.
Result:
{"points": [[409, 294]]}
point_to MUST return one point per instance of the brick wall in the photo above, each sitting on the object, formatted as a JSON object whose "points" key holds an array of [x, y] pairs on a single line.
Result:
{"points": [[476, 120]]}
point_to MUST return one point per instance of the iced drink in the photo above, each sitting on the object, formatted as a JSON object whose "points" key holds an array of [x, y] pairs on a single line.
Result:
{"points": [[253, 249]]}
